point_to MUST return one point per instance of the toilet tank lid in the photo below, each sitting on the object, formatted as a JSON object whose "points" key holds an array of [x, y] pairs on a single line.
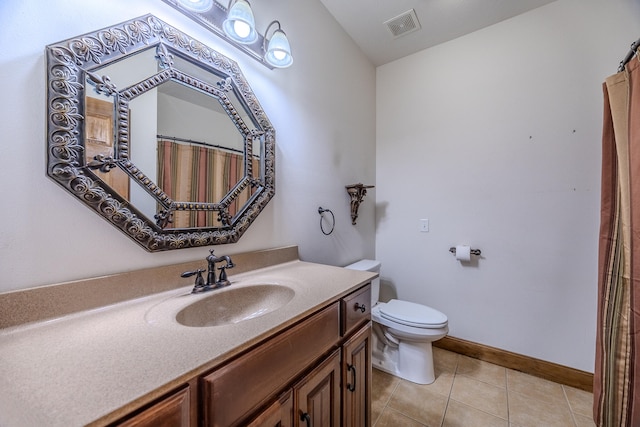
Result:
{"points": [[365, 265]]}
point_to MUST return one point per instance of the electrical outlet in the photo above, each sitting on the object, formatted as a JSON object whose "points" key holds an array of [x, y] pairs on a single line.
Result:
{"points": [[424, 225]]}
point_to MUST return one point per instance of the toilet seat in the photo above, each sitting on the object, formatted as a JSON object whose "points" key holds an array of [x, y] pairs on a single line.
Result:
{"points": [[412, 314]]}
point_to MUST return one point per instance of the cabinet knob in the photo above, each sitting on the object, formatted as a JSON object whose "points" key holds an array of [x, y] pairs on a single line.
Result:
{"points": [[360, 307], [307, 418]]}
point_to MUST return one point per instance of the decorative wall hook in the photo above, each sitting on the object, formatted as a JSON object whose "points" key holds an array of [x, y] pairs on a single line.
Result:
{"points": [[356, 193]]}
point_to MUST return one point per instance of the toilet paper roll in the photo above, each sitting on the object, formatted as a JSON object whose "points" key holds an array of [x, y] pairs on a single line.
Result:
{"points": [[463, 253]]}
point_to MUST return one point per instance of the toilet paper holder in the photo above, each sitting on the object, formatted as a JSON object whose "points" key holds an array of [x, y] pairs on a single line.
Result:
{"points": [[477, 252]]}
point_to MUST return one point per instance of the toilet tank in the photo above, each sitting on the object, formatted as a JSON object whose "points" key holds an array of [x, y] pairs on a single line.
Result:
{"points": [[374, 267]]}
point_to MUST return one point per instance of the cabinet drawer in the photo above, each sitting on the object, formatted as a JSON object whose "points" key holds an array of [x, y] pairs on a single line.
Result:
{"points": [[171, 411], [234, 391], [356, 309]]}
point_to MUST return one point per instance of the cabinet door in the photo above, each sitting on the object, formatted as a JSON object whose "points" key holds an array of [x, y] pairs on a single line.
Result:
{"points": [[317, 396], [278, 414], [356, 379], [170, 412]]}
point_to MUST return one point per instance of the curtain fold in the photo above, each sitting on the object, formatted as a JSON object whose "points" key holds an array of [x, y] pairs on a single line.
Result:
{"points": [[616, 400], [186, 173]]}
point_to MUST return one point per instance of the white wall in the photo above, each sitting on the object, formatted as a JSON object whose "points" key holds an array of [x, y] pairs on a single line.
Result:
{"points": [[323, 110], [188, 120], [495, 138]]}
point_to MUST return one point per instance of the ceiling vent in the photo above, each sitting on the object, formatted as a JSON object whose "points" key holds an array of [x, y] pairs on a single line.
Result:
{"points": [[403, 24]]}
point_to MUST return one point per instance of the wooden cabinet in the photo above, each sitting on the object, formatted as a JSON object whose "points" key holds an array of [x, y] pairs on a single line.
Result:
{"points": [[355, 310], [356, 374], [241, 387], [278, 414], [316, 373], [172, 411], [317, 395]]}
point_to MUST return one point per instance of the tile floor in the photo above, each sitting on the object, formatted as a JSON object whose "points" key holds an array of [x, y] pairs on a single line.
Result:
{"points": [[472, 393]]}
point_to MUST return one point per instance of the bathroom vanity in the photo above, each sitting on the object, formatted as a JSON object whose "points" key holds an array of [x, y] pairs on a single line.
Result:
{"points": [[302, 358]]}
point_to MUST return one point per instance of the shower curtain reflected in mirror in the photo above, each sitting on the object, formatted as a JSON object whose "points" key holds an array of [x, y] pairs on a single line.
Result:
{"points": [[616, 397], [194, 173]]}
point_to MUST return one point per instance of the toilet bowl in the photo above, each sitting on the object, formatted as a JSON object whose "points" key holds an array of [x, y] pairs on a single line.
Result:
{"points": [[402, 333]]}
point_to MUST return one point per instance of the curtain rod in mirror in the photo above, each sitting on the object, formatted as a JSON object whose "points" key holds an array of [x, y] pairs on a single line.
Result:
{"points": [[236, 25]]}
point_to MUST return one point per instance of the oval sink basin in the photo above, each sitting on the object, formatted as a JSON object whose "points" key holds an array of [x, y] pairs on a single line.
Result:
{"points": [[235, 305]]}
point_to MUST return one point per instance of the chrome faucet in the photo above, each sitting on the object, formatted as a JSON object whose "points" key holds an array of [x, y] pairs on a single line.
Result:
{"points": [[211, 283]]}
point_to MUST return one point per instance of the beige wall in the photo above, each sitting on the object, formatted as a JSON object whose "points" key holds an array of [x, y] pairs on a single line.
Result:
{"points": [[323, 110], [495, 138]]}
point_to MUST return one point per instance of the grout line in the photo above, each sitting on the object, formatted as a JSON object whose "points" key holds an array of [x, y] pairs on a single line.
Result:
{"points": [[388, 399], [566, 398], [453, 380], [444, 414]]}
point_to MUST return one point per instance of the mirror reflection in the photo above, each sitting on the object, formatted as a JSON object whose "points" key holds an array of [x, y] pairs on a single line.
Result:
{"points": [[178, 141]]}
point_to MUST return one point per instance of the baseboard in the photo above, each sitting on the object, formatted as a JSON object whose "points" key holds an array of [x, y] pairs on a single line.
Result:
{"points": [[529, 365]]}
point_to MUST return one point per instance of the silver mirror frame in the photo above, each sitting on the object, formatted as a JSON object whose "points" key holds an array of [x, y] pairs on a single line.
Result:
{"points": [[69, 65]]}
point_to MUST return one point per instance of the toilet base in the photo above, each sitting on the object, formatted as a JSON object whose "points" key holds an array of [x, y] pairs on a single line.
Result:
{"points": [[412, 361]]}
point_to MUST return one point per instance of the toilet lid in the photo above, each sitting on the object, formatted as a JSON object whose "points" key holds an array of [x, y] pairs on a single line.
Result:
{"points": [[412, 314]]}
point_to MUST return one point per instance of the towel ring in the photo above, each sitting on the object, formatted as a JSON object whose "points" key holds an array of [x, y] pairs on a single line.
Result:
{"points": [[333, 220]]}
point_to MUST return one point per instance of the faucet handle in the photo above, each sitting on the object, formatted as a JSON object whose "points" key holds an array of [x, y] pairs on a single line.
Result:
{"points": [[198, 273], [222, 277]]}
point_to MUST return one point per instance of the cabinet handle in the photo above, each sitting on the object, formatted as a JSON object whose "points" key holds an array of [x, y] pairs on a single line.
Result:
{"points": [[352, 387], [360, 307], [307, 418]]}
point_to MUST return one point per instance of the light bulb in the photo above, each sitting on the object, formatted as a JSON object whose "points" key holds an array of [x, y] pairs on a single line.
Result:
{"points": [[241, 28], [279, 54]]}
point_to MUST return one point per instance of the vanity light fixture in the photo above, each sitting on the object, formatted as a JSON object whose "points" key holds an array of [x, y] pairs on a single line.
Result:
{"points": [[236, 24], [198, 6], [277, 50]]}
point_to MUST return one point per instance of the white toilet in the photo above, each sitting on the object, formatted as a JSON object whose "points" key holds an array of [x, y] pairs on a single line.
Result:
{"points": [[402, 333]]}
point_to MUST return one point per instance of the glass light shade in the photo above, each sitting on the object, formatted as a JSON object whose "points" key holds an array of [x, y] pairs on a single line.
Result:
{"points": [[240, 25], [278, 52], [199, 6]]}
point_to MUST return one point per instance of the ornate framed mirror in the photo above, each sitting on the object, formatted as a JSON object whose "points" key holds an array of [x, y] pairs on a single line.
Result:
{"points": [[159, 134]]}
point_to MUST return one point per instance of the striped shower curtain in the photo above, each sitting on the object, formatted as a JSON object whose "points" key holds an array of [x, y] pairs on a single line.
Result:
{"points": [[617, 371], [186, 172]]}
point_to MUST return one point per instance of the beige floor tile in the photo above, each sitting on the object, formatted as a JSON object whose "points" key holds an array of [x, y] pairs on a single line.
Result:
{"points": [[480, 395], [534, 387], [482, 371], [580, 401], [460, 415], [471, 393], [582, 421], [419, 402], [391, 418], [382, 387], [444, 361], [443, 383], [526, 411]]}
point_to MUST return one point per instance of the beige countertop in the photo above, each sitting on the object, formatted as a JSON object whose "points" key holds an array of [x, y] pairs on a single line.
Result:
{"points": [[93, 366]]}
